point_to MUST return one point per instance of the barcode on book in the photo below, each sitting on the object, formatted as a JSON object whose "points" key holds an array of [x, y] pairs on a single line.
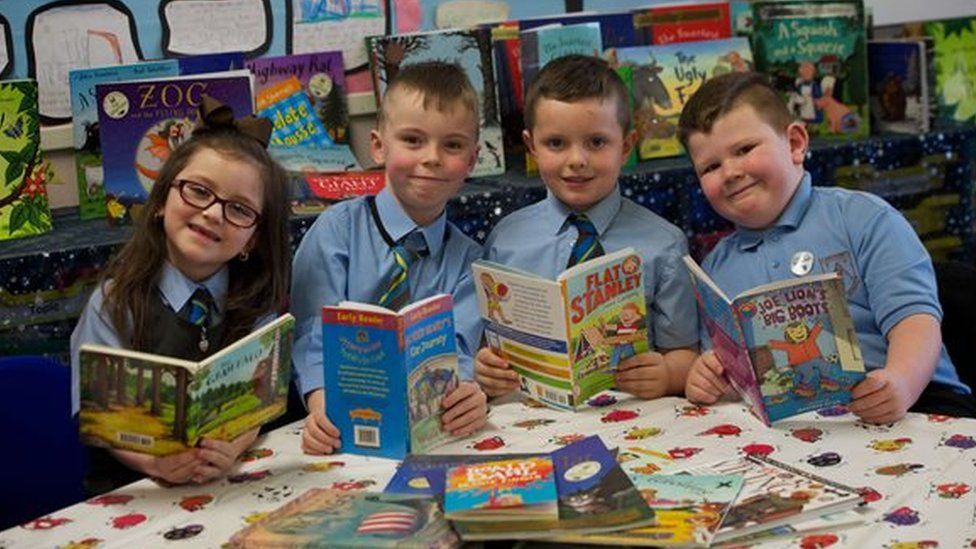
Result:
{"points": [[556, 396], [137, 439], [364, 435]]}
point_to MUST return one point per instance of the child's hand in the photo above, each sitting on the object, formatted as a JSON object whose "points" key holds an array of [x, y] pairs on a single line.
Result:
{"points": [[644, 375], [493, 374], [320, 435], [706, 384], [172, 469], [881, 397], [218, 456], [465, 409]]}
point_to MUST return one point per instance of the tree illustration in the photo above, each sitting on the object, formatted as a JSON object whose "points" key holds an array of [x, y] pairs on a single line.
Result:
{"points": [[23, 196], [391, 52], [334, 114], [481, 43]]}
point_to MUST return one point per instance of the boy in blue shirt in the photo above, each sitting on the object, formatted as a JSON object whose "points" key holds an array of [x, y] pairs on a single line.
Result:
{"points": [[427, 139], [748, 153], [577, 119]]}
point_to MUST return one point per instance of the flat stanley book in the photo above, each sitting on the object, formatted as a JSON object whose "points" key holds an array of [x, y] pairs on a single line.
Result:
{"points": [[386, 373], [787, 347], [160, 405], [565, 337]]}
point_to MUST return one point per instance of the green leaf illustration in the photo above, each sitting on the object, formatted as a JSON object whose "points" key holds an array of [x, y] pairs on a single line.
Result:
{"points": [[18, 217]]}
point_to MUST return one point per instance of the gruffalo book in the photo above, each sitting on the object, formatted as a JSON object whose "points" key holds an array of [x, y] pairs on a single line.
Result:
{"points": [[787, 347], [141, 123], [160, 405], [24, 207], [386, 373], [565, 337]]}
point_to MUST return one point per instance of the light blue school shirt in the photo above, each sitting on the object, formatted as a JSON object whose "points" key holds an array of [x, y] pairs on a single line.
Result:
{"points": [[345, 257], [888, 274], [539, 239], [95, 324]]}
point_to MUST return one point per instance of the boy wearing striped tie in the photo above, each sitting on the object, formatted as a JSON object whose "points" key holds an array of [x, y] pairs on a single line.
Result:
{"points": [[577, 120], [398, 246]]}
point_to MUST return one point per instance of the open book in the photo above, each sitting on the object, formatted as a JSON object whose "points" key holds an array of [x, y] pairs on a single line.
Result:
{"points": [[160, 405], [787, 347], [565, 337], [386, 373]]}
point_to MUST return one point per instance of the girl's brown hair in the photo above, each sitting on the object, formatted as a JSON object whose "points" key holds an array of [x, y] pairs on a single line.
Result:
{"points": [[256, 287]]}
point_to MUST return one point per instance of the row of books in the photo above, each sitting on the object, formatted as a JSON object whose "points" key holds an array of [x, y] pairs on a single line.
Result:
{"points": [[576, 494]]}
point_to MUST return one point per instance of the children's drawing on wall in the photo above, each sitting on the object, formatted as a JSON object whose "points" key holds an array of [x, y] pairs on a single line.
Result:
{"points": [[320, 25], [216, 26], [418, 15], [70, 37]]}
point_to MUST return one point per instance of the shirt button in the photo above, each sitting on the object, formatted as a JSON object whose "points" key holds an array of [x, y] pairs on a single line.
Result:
{"points": [[775, 264]]}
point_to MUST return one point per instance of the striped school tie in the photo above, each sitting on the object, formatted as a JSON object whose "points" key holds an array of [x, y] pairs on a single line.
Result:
{"points": [[587, 244], [200, 309], [405, 252]]}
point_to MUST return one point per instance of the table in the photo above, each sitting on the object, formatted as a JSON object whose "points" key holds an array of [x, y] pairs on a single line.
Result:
{"points": [[921, 472]]}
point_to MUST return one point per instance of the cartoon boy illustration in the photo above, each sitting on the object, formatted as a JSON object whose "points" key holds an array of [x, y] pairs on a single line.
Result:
{"points": [[495, 293], [628, 329], [803, 354], [806, 91]]}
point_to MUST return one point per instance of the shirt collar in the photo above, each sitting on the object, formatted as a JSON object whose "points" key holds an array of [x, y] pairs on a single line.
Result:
{"points": [[177, 289], [791, 217], [600, 214], [397, 223]]}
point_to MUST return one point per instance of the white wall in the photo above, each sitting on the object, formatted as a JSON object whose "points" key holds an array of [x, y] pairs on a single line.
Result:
{"points": [[892, 12]]}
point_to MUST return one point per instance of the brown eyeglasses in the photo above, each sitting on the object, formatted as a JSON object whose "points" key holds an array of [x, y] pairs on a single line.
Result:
{"points": [[200, 196]]}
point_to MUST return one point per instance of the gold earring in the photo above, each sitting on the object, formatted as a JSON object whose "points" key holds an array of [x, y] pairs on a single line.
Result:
{"points": [[244, 256]]}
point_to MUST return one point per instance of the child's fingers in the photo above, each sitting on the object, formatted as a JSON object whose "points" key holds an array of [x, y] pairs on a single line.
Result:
{"points": [[648, 358], [712, 363], [465, 398], [867, 386], [317, 439], [487, 356], [177, 469], [467, 423], [870, 404]]}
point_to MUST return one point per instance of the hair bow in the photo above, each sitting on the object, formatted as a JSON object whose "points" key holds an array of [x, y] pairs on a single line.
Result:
{"points": [[214, 115]]}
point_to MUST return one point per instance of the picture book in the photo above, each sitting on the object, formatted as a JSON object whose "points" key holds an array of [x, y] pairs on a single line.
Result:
{"points": [[565, 337], [469, 48], [142, 122], [426, 474], [898, 85], [595, 495], [816, 55], [688, 510], [386, 373], [160, 405], [774, 494], [501, 490], [954, 66], [683, 23], [84, 113], [788, 347], [324, 517], [290, 112], [24, 209], [322, 79], [665, 77], [319, 176]]}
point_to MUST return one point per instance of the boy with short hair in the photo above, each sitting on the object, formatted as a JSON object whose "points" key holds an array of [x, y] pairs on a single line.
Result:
{"points": [[748, 153], [427, 139], [577, 119]]}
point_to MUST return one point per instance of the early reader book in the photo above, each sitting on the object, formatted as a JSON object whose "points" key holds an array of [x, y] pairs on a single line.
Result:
{"points": [[386, 373], [160, 405], [787, 347]]}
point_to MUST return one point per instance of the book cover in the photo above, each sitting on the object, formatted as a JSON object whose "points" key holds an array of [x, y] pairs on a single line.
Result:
{"points": [[501, 490], [142, 122], [898, 83], [321, 77], [290, 112], [683, 23], [426, 474], [24, 209], [688, 510], [469, 48], [595, 495], [386, 372], [816, 55], [954, 65], [323, 517], [665, 77], [160, 405], [84, 114], [788, 347], [565, 337], [775, 494]]}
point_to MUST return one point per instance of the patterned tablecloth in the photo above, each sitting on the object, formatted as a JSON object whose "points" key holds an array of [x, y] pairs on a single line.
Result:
{"points": [[920, 473]]}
